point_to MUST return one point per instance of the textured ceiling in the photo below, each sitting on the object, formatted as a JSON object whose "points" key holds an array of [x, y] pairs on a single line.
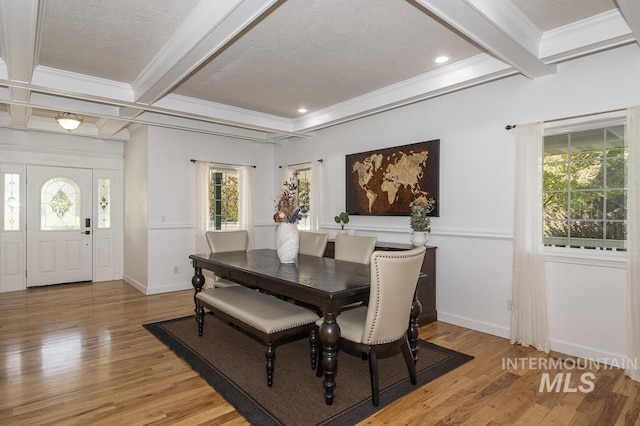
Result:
{"points": [[242, 68]]}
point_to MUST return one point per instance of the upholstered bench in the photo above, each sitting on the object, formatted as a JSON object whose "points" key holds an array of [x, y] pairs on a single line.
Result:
{"points": [[266, 317]]}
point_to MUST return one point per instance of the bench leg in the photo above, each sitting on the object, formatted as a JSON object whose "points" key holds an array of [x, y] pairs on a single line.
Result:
{"points": [[270, 354]]}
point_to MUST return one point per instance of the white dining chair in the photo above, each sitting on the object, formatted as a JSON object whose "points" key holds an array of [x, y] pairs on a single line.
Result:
{"points": [[382, 325], [224, 241], [354, 248], [313, 243]]}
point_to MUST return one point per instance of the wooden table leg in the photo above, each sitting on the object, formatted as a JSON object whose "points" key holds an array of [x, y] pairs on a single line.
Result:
{"points": [[329, 337], [412, 333], [198, 281]]}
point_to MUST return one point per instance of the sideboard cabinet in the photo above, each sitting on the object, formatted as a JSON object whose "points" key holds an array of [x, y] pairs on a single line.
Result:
{"points": [[426, 289]]}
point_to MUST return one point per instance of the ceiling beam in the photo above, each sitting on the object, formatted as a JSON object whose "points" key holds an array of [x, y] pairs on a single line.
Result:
{"points": [[208, 29], [630, 10], [499, 27], [20, 44]]}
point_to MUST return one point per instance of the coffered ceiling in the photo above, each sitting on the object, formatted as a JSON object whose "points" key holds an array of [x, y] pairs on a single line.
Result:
{"points": [[243, 68]]}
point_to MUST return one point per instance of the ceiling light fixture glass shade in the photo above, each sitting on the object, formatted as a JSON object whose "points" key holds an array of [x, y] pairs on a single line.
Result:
{"points": [[69, 121]]}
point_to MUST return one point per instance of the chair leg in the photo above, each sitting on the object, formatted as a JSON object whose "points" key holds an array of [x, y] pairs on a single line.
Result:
{"points": [[373, 371], [270, 354], [408, 359]]}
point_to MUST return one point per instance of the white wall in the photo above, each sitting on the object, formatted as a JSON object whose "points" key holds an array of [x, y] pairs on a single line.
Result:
{"points": [[136, 188], [171, 209], [474, 230]]}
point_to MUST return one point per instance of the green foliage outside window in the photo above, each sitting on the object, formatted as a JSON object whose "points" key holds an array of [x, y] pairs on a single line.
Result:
{"points": [[223, 198], [585, 193]]}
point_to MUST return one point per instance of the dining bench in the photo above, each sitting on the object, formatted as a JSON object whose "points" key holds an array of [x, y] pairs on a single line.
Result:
{"points": [[266, 317]]}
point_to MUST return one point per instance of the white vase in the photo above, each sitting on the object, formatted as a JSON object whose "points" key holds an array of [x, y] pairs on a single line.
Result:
{"points": [[287, 242], [419, 238]]}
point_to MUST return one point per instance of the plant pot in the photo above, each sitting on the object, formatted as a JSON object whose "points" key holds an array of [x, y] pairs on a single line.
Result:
{"points": [[287, 242], [419, 238]]}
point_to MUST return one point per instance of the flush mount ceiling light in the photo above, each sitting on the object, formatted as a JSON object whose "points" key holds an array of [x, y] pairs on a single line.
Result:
{"points": [[69, 121], [302, 110], [441, 59]]}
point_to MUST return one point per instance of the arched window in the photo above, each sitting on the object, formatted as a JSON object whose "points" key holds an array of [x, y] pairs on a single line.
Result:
{"points": [[60, 205]]}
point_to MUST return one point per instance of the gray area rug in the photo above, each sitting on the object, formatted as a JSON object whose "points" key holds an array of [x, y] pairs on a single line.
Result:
{"points": [[233, 363]]}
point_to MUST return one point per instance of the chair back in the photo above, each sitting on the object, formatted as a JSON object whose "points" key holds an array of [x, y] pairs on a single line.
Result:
{"points": [[394, 276], [354, 249], [222, 241], [313, 243]]}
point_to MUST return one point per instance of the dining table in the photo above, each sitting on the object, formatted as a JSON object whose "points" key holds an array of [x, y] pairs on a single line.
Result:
{"points": [[321, 282]]}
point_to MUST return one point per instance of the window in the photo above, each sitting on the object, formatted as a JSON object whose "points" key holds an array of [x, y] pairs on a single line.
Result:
{"points": [[223, 199], [60, 205], [104, 203], [304, 197], [11, 202], [585, 188]]}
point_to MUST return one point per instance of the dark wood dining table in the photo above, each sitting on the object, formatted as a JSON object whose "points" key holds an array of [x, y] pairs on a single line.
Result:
{"points": [[325, 283]]}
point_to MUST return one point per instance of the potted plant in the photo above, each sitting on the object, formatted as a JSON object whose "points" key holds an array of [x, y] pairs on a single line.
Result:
{"points": [[421, 223], [342, 219]]}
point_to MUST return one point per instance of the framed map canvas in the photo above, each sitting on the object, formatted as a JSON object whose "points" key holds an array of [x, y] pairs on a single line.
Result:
{"points": [[385, 181]]}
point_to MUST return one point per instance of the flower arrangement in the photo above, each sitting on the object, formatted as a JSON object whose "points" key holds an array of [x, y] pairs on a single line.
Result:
{"points": [[287, 210], [420, 207]]}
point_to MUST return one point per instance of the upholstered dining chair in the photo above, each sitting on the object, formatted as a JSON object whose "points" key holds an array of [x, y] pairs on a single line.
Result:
{"points": [[313, 243], [223, 241], [384, 322], [354, 248]]}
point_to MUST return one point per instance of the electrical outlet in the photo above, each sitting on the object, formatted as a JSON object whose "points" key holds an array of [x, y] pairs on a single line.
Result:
{"points": [[509, 304]]}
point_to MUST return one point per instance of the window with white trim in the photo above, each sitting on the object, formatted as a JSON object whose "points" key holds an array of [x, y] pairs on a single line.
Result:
{"points": [[224, 198], [303, 177], [585, 188]]}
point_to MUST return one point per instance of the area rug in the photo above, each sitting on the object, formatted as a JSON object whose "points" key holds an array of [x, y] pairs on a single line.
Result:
{"points": [[233, 363]]}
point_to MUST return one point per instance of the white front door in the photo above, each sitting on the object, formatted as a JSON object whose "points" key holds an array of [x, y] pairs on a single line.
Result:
{"points": [[59, 225]]}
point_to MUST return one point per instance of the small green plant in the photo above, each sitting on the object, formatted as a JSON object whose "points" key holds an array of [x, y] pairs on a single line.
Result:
{"points": [[342, 219]]}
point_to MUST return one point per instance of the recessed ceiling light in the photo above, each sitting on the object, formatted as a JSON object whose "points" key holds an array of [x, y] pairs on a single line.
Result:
{"points": [[302, 110], [441, 59]]}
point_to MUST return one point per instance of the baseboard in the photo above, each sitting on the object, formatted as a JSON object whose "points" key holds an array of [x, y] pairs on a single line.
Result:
{"points": [[168, 288], [135, 284], [481, 326], [566, 348]]}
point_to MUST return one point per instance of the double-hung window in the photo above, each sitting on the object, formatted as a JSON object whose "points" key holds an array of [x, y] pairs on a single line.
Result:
{"points": [[224, 196], [585, 188], [303, 177]]}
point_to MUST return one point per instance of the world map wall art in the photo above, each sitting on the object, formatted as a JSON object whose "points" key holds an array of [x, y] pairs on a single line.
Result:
{"points": [[384, 182]]}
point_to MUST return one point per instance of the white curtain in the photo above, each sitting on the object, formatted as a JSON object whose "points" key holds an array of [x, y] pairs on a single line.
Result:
{"points": [[633, 242], [202, 206], [246, 208], [202, 215], [316, 195], [529, 310]]}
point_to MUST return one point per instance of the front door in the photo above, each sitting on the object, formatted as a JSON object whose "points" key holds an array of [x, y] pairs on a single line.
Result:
{"points": [[59, 223]]}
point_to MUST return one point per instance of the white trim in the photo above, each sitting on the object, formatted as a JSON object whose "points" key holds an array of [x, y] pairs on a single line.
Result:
{"points": [[167, 226], [599, 258], [485, 327], [566, 348]]}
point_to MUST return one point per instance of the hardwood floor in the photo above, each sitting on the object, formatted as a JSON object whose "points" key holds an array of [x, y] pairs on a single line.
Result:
{"points": [[77, 354]]}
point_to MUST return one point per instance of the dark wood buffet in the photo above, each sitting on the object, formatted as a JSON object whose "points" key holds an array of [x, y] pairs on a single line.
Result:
{"points": [[426, 289]]}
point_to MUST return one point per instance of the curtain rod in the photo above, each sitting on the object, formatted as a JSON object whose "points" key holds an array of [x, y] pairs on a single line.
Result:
{"points": [[299, 164], [224, 164], [513, 126]]}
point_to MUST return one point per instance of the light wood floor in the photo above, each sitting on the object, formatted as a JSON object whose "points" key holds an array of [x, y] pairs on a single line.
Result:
{"points": [[78, 355]]}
